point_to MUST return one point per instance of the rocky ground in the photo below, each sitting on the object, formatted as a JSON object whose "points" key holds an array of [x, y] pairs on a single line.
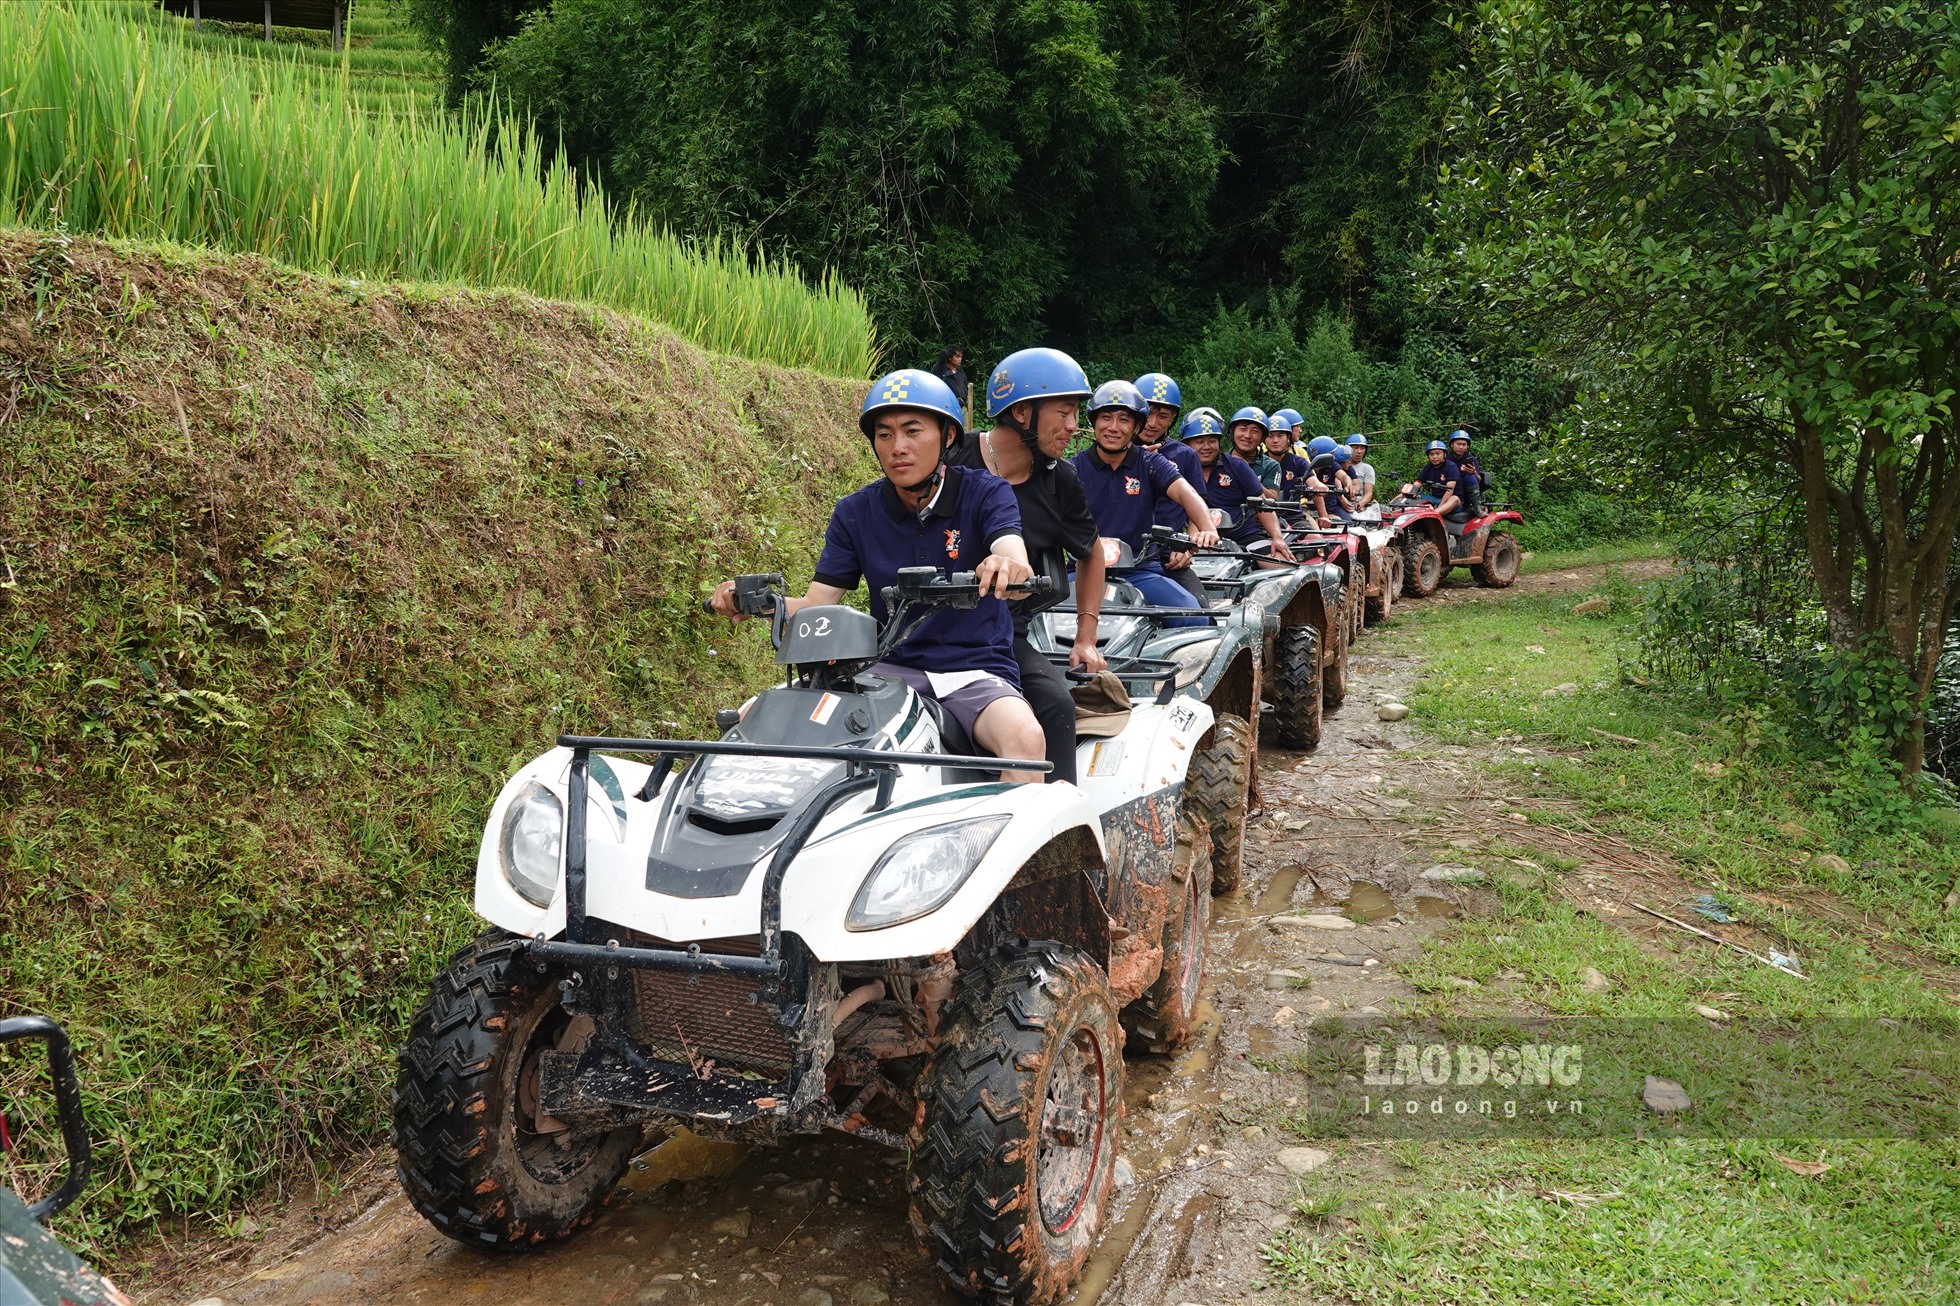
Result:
{"points": [[1347, 873]]}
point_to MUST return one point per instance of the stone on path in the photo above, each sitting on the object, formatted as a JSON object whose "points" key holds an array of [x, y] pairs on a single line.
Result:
{"points": [[1591, 607], [1664, 1096], [1303, 1160], [1710, 1013], [1449, 871], [1287, 979], [1392, 711], [1315, 922], [1831, 862], [1591, 981], [1125, 1173], [735, 1225]]}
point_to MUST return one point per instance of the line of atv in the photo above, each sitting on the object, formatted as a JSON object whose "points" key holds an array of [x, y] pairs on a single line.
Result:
{"points": [[835, 917]]}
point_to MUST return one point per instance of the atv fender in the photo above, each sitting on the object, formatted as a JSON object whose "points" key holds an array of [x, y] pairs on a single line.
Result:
{"points": [[1053, 833]]}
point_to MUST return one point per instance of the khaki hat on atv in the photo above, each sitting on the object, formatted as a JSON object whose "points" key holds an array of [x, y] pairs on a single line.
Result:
{"points": [[1102, 707]]}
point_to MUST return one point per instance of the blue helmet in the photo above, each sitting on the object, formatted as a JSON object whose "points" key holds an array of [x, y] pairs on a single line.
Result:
{"points": [[1292, 416], [1035, 374], [1201, 423], [1435, 445], [1208, 411], [1257, 416], [1341, 456], [1280, 422], [1156, 388], [1459, 435], [1357, 441], [1119, 395], [909, 388], [1319, 445]]}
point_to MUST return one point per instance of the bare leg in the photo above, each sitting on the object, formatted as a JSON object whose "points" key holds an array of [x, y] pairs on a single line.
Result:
{"points": [[1007, 728]]}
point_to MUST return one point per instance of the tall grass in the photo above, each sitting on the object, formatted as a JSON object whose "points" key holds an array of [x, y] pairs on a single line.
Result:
{"points": [[116, 125]]}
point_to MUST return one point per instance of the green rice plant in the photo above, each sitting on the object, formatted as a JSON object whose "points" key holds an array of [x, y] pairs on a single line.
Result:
{"points": [[115, 123]]}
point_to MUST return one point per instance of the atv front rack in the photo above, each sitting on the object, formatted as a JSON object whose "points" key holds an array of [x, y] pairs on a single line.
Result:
{"points": [[613, 1081]]}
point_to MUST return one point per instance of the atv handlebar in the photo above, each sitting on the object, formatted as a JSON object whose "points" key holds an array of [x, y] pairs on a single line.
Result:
{"points": [[67, 1106]]}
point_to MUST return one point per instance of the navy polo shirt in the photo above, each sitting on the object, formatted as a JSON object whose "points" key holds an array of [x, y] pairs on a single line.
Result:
{"points": [[1469, 465], [871, 535], [1294, 473], [1123, 499], [1437, 476], [1185, 459], [1229, 485]]}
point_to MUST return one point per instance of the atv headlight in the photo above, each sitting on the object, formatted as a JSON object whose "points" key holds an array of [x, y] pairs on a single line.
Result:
{"points": [[533, 840], [921, 871]]}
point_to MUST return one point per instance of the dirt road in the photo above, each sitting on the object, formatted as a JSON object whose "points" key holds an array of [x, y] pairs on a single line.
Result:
{"points": [[822, 1221]]}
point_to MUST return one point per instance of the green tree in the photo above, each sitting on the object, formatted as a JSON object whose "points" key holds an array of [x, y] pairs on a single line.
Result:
{"points": [[1739, 221], [978, 172], [463, 29]]}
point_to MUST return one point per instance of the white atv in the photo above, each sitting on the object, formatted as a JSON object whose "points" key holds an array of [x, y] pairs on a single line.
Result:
{"points": [[832, 918]]}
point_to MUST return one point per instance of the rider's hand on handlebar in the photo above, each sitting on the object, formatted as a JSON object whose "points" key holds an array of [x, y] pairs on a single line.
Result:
{"points": [[997, 575], [1283, 553], [723, 602], [1179, 561], [1086, 655], [1204, 539]]}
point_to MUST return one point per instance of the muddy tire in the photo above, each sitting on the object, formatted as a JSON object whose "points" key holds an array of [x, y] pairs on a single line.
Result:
{"points": [[470, 1154], [1383, 603], [1334, 679], [1217, 788], [1423, 566], [1296, 687], [1023, 1103], [1501, 564], [1161, 1020]]}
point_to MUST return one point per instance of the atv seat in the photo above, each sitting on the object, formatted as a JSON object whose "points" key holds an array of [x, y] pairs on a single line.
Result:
{"points": [[1455, 525], [954, 739]]}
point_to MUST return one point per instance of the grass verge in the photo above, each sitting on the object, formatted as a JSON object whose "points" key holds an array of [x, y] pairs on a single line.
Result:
{"points": [[295, 571], [1738, 1217]]}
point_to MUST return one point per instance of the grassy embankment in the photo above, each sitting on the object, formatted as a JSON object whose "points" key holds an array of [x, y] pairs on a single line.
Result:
{"points": [[124, 124], [292, 572], [1679, 1219]]}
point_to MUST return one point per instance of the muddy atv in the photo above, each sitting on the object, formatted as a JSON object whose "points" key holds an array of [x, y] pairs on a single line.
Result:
{"points": [[35, 1268], [1216, 655], [1422, 540], [833, 917], [1306, 630], [1489, 551]]}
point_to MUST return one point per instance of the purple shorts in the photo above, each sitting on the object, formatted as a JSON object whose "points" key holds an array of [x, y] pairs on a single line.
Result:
{"points": [[964, 704]]}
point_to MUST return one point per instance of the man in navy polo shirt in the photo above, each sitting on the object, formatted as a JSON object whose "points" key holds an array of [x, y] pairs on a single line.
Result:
{"points": [[1290, 482], [1126, 485], [925, 513], [1166, 405], [1232, 487]]}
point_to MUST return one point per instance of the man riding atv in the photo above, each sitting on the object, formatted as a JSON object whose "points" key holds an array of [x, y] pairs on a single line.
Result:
{"points": [[1127, 486], [1231, 487], [1361, 473], [1436, 481], [924, 513], [1166, 404], [1034, 397], [1290, 473]]}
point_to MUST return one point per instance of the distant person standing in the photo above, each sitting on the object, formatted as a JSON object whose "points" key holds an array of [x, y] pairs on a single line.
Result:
{"points": [[951, 368]]}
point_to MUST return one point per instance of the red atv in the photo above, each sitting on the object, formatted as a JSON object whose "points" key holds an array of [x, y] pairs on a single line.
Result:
{"points": [[1492, 555], [1424, 539]]}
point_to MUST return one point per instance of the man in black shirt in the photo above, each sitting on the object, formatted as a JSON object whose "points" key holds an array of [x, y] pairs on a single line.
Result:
{"points": [[1035, 398]]}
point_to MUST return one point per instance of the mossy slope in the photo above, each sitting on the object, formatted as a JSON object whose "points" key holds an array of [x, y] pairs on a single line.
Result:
{"points": [[295, 570]]}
